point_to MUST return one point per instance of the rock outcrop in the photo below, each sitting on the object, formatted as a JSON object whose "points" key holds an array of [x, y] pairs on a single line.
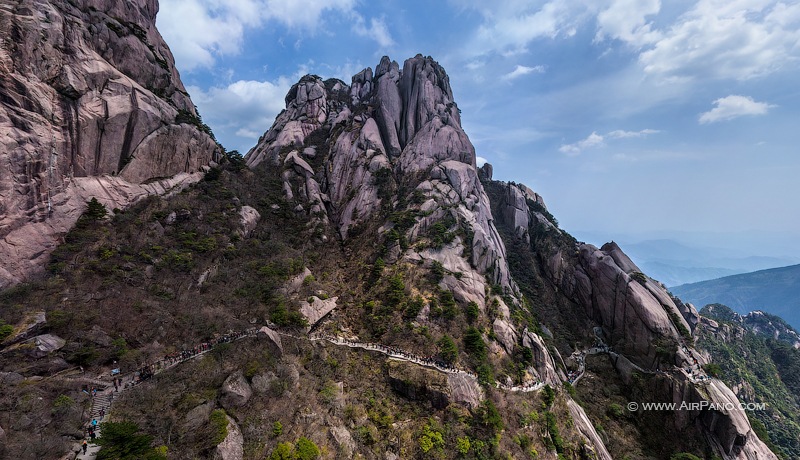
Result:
{"points": [[235, 391], [88, 91], [342, 151], [232, 447], [440, 390], [646, 327]]}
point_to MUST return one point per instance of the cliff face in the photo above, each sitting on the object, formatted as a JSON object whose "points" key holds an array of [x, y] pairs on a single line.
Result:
{"points": [[390, 140], [88, 90], [650, 331]]}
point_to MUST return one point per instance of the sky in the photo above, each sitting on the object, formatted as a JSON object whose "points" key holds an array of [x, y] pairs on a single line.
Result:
{"points": [[630, 117]]}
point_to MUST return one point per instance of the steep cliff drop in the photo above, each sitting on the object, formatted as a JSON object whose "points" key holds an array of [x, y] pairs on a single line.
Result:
{"points": [[91, 105]]}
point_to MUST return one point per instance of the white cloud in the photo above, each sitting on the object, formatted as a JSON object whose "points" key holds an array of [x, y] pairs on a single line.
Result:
{"points": [[734, 106], [594, 140], [626, 20], [244, 109], [598, 140], [480, 161], [377, 30], [620, 134], [200, 30], [509, 26], [521, 70], [738, 39]]}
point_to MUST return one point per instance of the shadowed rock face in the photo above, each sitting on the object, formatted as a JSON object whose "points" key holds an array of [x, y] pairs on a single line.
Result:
{"points": [[88, 88]]}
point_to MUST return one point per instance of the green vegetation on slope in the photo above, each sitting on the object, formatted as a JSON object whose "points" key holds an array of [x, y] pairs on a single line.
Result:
{"points": [[763, 370]]}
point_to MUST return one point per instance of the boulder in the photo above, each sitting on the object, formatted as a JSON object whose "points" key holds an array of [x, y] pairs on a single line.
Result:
{"points": [[198, 416], [293, 286], [272, 338], [42, 345], [98, 336], [232, 447], [235, 391], [343, 438], [543, 362], [32, 324], [506, 334], [317, 309], [465, 390], [248, 220]]}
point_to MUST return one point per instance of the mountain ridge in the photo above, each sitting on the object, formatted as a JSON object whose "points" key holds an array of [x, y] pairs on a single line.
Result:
{"points": [[774, 291], [363, 216]]}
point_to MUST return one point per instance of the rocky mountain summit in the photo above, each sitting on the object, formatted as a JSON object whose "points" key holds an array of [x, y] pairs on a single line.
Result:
{"points": [[387, 154], [358, 285], [91, 105]]}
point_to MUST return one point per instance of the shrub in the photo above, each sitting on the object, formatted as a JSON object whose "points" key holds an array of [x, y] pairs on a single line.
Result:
{"points": [[437, 271], [219, 426], [5, 330], [122, 441], [277, 429], [463, 445], [712, 369], [472, 312], [473, 343], [615, 410], [448, 349], [62, 404], [282, 451], [413, 307], [488, 417], [430, 438], [548, 396], [305, 449]]}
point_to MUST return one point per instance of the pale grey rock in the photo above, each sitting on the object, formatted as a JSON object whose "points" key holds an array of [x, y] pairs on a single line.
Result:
{"points": [[633, 316], [207, 274], [587, 430], [235, 391], [465, 390], [361, 86], [506, 334], [198, 416], [390, 105], [248, 220], [261, 382], [232, 447], [485, 172], [98, 336], [10, 378], [42, 345], [293, 286], [273, 337], [543, 362], [306, 110], [31, 324], [317, 309], [88, 89], [343, 438]]}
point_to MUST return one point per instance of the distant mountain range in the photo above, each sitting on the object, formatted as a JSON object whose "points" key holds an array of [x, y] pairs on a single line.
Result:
{"points": [[689, 260], [775, 291]]}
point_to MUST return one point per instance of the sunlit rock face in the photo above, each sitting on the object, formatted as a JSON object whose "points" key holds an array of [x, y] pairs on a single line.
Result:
{"points": [[88, 89]]}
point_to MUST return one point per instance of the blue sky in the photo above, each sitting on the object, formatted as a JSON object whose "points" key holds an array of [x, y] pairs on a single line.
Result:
{"points": [[630, 117]]}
